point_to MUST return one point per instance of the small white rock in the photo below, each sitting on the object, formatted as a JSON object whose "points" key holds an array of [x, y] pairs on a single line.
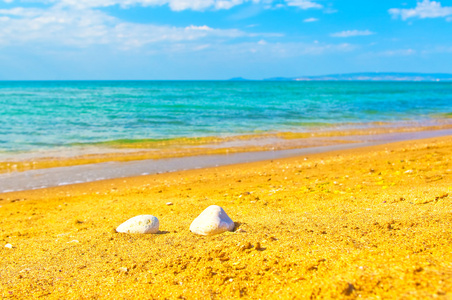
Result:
{"points": [[9, 246], [140, 224], [169, 203], [213, 220]]}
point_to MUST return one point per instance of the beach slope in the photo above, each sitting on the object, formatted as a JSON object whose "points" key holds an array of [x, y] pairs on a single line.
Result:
{"points": [[372, 222]]}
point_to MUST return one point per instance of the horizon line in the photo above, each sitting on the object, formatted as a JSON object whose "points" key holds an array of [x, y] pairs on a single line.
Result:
{"points": [[275, 78]]}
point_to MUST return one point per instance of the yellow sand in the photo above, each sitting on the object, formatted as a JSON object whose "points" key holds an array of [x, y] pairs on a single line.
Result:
{"points": [[373, 223]]}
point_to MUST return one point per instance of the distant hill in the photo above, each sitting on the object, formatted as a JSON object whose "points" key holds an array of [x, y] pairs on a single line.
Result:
{"points": [[371, 77]]}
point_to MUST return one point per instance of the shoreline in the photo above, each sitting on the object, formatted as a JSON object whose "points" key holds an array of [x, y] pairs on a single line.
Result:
{"points": [[88, 172], [370, 222], [131, 150]]}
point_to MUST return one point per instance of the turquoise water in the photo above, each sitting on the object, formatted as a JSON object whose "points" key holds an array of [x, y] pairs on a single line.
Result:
{"points": [[51, 115]]}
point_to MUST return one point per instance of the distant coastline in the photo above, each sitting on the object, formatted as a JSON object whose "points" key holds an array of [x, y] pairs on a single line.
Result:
{"points": [[367, 76]]}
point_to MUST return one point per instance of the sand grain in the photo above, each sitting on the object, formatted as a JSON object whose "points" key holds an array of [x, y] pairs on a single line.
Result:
{"points": [[373, 222]]}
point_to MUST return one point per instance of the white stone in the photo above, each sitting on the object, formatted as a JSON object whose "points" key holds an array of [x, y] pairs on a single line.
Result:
{"points": [[213, 220], [140, 224], [9, 246]]}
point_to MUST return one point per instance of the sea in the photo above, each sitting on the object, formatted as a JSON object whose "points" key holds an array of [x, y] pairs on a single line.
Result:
{"points": [[42, 116], [60, 119]]}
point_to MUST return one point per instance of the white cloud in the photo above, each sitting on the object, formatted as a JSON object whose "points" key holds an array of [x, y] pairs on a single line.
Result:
{"points": [[303, 4], [398, 52], [204, 27], [87, 27], [76, 24], [21, 12], [309, 20], [286, 50], [423, 10], [406, 52], [351, 33], [176, 5], [179, 5]]}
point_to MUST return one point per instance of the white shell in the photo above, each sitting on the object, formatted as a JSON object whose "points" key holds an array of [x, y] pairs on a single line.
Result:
{"points": [[213, 220], [140, 224]]}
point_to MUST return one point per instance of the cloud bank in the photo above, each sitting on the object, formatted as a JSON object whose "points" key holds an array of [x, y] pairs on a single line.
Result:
{"points": [[351, 33], [304, 4], [423, 10], [179, 5], [86, 27], [82, 23], [175, 5]]}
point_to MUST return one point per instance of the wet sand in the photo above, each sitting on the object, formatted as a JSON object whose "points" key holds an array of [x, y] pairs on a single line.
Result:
{"points": [[118, 151], [70, 170], [372, 222]]}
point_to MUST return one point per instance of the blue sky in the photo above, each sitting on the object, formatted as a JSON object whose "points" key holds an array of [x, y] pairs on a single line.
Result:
{"points": [[220, 39]]}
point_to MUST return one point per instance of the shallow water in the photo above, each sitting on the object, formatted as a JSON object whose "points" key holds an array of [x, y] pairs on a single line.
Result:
{"points": [[35, 179], [67, 116]]}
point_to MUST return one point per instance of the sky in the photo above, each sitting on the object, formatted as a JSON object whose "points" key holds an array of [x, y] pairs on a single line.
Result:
{"points": [[220, 39]]}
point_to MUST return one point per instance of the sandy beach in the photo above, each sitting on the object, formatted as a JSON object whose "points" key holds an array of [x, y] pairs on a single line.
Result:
{"points": [[372, 222]]}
